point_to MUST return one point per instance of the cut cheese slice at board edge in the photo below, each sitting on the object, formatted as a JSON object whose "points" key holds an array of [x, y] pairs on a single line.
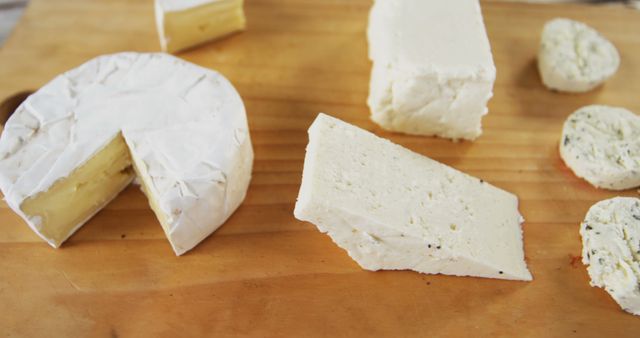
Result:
{"points": [[183, 24]]}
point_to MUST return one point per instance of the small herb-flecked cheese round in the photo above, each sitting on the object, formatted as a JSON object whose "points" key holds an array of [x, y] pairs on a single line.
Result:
{"points": [[611, 249], [574, 57], [602, 145]]}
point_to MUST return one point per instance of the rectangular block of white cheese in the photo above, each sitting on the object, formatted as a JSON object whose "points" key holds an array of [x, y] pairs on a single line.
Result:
{"points": [[433, 71], [186, 23], [391, 208]]}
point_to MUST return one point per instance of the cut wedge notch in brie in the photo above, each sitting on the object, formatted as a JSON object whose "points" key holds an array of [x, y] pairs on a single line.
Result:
{"points": [[73, 145], [391, 208], [184, 24]]}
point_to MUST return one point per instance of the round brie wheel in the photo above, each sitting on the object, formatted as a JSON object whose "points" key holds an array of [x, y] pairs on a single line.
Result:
{"points": [[611, 249], [574, 57], [601, 144], [73, 145]]}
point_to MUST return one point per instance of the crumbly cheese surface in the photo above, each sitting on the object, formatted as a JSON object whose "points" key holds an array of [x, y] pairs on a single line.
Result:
{"points": [[433, 71], [186, 125], [611, 248], [183, 24], [390, 208], [574, 57], [602, 145]]}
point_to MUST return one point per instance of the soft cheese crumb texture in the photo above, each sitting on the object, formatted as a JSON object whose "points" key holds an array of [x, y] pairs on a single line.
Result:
{"points": [[433, 71], [184, 24], [602, 145], [394, 209], [574, 57], [185, 130], [611, 248]]}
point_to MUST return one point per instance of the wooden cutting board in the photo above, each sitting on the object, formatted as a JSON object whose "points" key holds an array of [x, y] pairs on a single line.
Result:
{"points": [[264, 273]]}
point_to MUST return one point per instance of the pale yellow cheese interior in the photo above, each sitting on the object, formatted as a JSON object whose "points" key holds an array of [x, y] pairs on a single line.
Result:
{"points": [[145, 182], [71, 201], [191, 27]]}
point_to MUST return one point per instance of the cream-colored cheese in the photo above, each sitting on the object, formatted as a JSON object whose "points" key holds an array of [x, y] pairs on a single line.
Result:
{"points": [[391, 208], [574, 57], [73, 200], [611, 248], [63, 153], [602, 145], [185, 24]]}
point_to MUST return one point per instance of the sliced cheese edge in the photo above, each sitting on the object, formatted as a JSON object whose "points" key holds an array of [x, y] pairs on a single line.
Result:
{"points": [[70, 202]]}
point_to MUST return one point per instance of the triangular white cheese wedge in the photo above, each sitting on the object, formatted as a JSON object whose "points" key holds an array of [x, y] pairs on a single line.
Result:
{"points": [[391, 208]]}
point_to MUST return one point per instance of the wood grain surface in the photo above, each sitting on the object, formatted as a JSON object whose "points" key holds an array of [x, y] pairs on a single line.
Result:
{"points": [[265, 274]]}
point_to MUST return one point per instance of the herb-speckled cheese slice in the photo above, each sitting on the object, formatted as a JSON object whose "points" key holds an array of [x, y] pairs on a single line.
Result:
{"points": [[574, 57], [602, 145], [391, 208], [611, 249]]}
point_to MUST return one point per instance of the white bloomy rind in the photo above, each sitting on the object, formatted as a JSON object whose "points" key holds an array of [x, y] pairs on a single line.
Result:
{"points": [[602, 145], [185, 123], [433, 72], [391, 208], [611, 248], [574, 57]]}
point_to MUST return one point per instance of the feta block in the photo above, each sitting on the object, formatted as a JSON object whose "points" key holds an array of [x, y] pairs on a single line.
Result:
{"points": [[602, 145], [611, 249], [433, 71], [391, 208], [574, 57]]}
